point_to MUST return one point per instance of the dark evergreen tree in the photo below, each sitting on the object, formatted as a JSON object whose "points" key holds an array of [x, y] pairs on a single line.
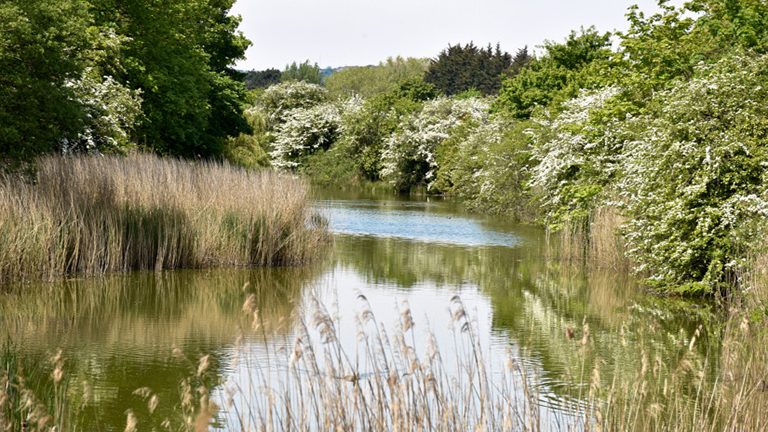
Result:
{"points": [[460, 68], [520, 61], [261, 79]]}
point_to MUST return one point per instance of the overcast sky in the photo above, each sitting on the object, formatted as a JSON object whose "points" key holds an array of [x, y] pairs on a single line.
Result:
{"points": [[360, 32]]}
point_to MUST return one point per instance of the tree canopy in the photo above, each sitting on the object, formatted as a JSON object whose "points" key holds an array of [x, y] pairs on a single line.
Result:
{"points": [[105, 74], [459, 68]]}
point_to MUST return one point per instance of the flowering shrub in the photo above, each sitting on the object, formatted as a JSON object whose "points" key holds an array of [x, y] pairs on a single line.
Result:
{"points": [[111, 111], [280, 99], [576, 155], [695, 177], [490, 167], [304, 131], [307, 130], [408, 157]]}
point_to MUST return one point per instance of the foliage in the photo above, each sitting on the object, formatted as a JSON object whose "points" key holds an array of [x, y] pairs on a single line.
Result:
{"points": [[366, 129], [111, 111], [695, 176], [278, 100], [249, 149], [261, 79], [487, 167], [557, 75], [577, 155], [303, 72], [332, 167], [44, 46], [308, 130], [179, 56], [368, 81], [408, 158], [102, 75], [673, 42], [520, 61], [459, 68], [305, 131]]}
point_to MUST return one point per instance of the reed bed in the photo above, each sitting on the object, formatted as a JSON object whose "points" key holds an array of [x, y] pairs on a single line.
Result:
{"points": [[596, 241], [309, 381], [98, 214]]}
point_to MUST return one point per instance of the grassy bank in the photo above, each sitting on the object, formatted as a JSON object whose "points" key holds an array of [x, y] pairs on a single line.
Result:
{"points": [[93, 215]]}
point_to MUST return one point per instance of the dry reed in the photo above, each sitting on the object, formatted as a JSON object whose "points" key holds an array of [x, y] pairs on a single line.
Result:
{"points": [[97, 214], [310, 382], [596, 241]]}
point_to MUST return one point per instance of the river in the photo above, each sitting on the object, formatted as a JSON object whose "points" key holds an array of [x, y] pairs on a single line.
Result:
{"points": [[149, 330]]}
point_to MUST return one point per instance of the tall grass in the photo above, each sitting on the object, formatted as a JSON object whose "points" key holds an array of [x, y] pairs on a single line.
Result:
{"points": [[97, 214], [596, 241], [388, 382]]}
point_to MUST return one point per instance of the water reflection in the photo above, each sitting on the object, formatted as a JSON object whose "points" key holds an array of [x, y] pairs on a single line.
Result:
{"points": [[117, 332]]}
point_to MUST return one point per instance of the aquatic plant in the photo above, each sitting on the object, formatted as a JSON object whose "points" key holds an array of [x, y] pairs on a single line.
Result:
{"points": [[96, 214], [311, 382]]}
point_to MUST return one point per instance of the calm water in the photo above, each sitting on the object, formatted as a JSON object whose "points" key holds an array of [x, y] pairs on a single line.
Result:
{"points": [[117, 333]]}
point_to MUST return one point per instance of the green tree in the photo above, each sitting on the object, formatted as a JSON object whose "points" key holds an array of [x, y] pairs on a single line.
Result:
{"points": [[306, 72], [368, 81], [179, 56], [44, 46], [459, 68], [558, 75]]}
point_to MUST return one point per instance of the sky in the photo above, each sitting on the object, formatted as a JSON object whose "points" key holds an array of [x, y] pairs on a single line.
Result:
{"points": [[361, 32]]}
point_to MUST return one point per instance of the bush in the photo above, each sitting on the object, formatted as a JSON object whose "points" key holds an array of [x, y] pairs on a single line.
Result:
{"points": [[695, 177], [408, 159], [278, 100], [489, 169], [577, 155]]}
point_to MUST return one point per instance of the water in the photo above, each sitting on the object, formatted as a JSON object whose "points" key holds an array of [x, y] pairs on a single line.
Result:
{"points": [[118, 333]]}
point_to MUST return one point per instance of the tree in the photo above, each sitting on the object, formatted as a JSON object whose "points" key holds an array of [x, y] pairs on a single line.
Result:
{"points": [[179, 57], [58, 85], [559, 74], [368, 81], [520, 61], [459, 68], [306, 72], [261, 79]]}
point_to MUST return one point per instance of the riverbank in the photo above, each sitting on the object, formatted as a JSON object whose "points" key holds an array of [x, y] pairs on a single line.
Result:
{"points": [[98, 214], [582, 341]]}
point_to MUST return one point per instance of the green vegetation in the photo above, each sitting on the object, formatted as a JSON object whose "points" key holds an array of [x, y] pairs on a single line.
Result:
{"points": [[261, 79], [664, 131], [460, 68], [369, 81], [91, 215], [105, 76], [304, 72]]}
